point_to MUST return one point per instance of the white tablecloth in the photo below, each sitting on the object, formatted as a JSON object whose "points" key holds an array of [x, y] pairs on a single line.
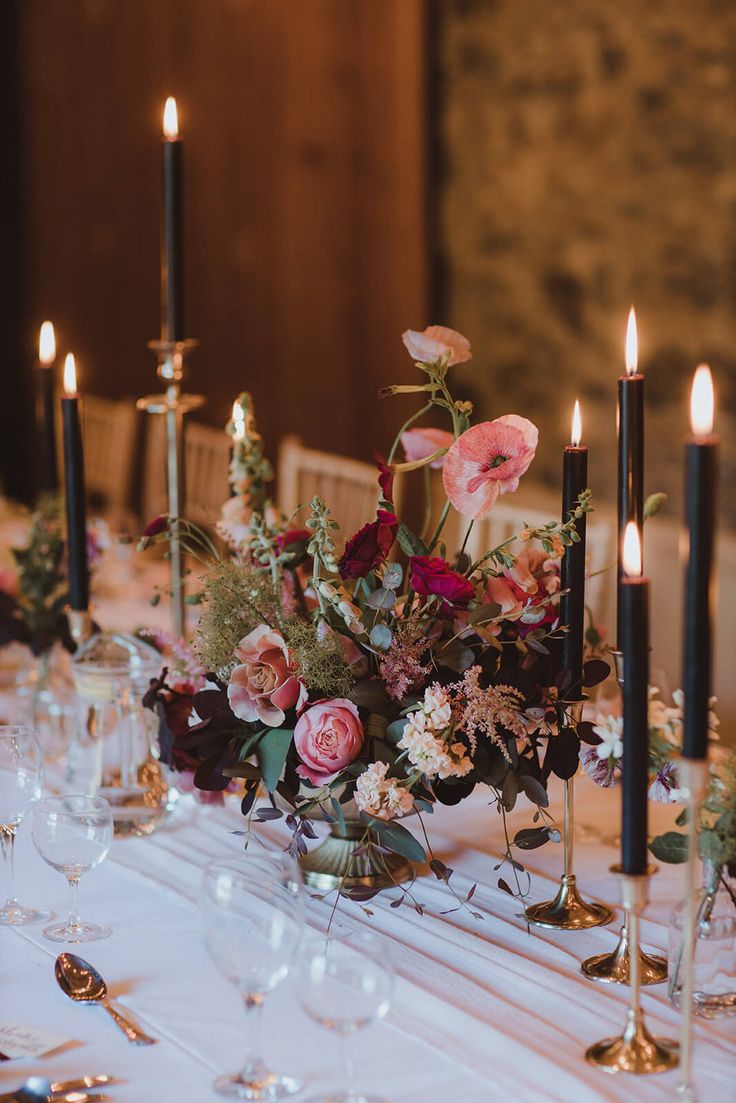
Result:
{"points": [[483, 1010]]}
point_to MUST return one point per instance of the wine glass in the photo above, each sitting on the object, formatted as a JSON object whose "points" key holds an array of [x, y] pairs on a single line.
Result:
{"points": [[252, 915], [73, 834], [344, 983], [21, 785]]}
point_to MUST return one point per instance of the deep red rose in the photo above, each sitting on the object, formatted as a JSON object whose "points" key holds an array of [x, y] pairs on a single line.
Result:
{"points": [[385, 478], [293, 539], [157, 525], [432, 575], [369, 547]]}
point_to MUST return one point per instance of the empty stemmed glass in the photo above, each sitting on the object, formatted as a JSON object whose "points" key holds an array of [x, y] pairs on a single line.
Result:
{"points": [[344, 983], [252, 914], [73, 834], [21, 785]]}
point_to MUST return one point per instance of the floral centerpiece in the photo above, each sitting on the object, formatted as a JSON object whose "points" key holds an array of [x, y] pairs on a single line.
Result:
{"points": [[361, 681]]}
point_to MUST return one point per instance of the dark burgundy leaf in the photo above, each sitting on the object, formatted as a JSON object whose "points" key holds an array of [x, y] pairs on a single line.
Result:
{"points": [[504, 887], [209, 777], [529, 838], [595, 671], [562, 753], [534, 790], [264, 814], [586, 733]]}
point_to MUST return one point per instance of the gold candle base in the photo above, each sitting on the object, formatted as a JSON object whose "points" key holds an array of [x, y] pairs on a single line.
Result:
{"points": [[614, 967], [635, 1050], [80, 625], [569, 911]]}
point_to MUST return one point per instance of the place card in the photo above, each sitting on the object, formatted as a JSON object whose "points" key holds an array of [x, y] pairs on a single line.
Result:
{"points": [[24, 1041]]}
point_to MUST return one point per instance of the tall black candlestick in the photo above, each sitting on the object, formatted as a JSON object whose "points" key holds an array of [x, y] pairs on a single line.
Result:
{"points": [[634, 641], [172, 246], [572, 603], [701, 472], [74, 492], [630, 449]]}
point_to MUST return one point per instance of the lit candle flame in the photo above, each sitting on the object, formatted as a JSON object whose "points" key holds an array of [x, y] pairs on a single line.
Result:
{"points": [[702, 402], [70, 375], [171, 120], [632, 345], [632, 551], [576, 434], [47, 344]]}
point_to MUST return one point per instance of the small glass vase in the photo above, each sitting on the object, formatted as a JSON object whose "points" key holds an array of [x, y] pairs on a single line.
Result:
{"points": [[714, 953]]}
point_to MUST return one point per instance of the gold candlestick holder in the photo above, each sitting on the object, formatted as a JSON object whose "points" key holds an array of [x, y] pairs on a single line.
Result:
{"points": [[173, 406], [615, 967], [569, 911], [635, 1050], [693, 777], [80, 625]]}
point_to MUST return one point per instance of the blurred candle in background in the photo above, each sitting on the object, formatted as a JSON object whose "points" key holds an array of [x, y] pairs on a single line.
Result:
{"points": [[634, 642], [74, 491], [701, 473], [630, 447], [572, 603], [172, 255], [46, 409]]}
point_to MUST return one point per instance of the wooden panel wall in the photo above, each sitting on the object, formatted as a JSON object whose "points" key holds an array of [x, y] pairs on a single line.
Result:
{"points": [[305, 197]]}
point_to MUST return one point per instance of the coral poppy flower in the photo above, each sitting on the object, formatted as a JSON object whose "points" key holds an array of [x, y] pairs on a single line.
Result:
{"points": [[420, 443], [436, 342], [488, 460]]}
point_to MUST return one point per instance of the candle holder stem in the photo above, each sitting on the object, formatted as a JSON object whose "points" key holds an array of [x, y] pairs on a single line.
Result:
{"points": [[80, 625], [635, 1050], [693, 777], [174, 406], [569, 911]]}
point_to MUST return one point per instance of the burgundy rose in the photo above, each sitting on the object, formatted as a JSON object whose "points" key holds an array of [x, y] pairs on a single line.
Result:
{"points": [[432, 575], [369, 547], [293, 540], [157, 525], [385, 478]]}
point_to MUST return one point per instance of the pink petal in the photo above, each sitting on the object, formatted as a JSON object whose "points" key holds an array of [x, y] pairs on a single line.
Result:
{"points": [[420, 443], [434, 342]]}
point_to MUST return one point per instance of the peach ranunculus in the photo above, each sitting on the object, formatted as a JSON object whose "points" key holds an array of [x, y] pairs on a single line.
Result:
{"points": [[436, 342], [488, 460], [328, 737], [264, 683], [420, 443], [524, 591]]}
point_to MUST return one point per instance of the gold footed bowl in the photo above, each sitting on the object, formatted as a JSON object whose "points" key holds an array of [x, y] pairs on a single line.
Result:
{"points": [[334, 863]]}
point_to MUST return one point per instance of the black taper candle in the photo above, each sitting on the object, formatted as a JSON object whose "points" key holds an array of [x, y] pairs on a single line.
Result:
{"points": [[630, 449], [172, 243], [572, 603], [74, 492], [701, 473], [634, 641]]}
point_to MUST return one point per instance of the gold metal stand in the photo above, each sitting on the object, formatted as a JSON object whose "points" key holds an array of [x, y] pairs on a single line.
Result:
{"points": [[693, 777], [636, 1050], [340, 862], [174, 405], [80, 625], [569, 911]]}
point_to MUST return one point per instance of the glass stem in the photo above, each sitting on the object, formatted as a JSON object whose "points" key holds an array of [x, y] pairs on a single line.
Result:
{"points": [[73, 921], [348, 1066], [7, 841], [253, 1067]]}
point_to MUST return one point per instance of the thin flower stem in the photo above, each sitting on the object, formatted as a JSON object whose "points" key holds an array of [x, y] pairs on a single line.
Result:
{"points": [[427, 502], [407, 425], [467, 535]]}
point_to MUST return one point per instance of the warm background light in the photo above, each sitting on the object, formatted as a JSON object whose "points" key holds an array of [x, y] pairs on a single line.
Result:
{"points": [[576, 434], [702, 402], [632, 550], [47, 344], [632, 344], [171, 119], [70, 375]]}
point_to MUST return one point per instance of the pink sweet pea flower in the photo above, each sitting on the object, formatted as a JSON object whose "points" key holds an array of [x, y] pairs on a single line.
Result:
{"points": [[420, 443], [328, 736], [264, 684], [436, 342], [488, 460]]}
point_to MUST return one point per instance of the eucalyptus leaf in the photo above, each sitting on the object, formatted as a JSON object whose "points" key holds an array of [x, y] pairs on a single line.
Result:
{"points": [[381, 636], [670, 847], [653, 504], [396, 837], [395, 730], [393, 576], [484, 613], [381, 599], [271, 753], [409, 542]]}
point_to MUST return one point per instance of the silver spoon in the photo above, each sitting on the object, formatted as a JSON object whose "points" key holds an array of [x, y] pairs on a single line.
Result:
{"points": [[81, 981]]}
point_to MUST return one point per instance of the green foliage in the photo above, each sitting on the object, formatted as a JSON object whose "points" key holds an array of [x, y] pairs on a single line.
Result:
{"points": [[236, 598], [42, 583], [319, 661]]}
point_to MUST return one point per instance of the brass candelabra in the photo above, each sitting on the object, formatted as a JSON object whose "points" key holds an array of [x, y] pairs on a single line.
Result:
{"points": [[569, 911], [174, 405]]}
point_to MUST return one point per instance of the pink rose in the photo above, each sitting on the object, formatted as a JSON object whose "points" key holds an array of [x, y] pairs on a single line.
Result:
{"points": [[328, 737], [420, 443], [265, 683], [488, 460], [436, 342]]}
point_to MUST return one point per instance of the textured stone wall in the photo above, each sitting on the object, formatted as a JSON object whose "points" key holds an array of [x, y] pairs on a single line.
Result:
{"points": [[588, 160]]}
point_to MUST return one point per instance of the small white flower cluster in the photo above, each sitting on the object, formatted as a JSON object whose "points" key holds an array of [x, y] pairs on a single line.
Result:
{"points": [[424, 739], [380, 796], [609, 730]]}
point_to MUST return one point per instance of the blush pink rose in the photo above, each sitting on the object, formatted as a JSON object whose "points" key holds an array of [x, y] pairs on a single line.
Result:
{"points": [[420, 443], [436, 342], [488, 460], [328, 737], [265, 683]]}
